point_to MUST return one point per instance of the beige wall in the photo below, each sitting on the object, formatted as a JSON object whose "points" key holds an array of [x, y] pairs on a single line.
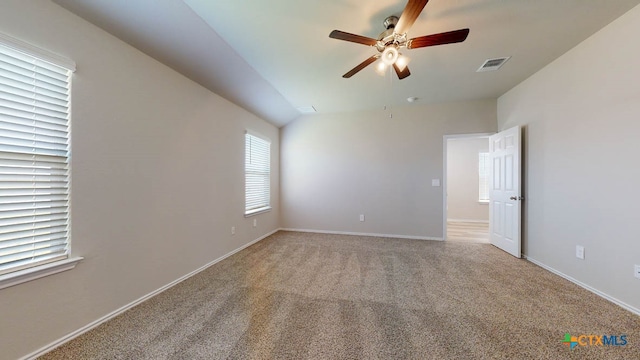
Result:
{"points": [[581, 119], [463, 179], [337, 166], [157, 179]]}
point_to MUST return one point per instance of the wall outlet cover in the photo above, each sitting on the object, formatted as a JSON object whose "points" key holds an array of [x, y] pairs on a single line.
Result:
{"points": [[580, 252], [361, 217], [636, 271]]}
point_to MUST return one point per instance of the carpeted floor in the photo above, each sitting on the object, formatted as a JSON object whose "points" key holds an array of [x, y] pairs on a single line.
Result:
{"points": [[312, 296]]}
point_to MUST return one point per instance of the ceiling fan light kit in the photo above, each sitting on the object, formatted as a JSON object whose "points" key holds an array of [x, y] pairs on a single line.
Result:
{"points": [[381, 68], [403, 62], [390, 55], [394, 38]]}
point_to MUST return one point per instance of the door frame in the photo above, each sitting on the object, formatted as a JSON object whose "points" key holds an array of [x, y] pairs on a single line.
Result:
{"points": [[445, 140]]}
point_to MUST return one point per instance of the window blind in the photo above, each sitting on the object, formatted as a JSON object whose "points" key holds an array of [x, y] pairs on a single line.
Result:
{"points": [[34, 157], [483, 176], [257, 174]]}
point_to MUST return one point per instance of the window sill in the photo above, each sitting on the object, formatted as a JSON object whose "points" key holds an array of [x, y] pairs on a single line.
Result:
{"points": [[257, 211], [22, 276], [483, 202]]}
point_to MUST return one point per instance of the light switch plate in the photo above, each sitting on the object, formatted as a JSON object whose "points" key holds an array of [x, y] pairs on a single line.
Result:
{"points": [[435, 182], [636, 271]]}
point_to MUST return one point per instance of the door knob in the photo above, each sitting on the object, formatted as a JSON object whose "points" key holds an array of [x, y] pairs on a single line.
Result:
{"points": [[516, 198]]}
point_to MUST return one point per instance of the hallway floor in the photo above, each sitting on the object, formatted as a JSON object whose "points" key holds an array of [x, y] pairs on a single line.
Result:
{"points": [[467, 232]]}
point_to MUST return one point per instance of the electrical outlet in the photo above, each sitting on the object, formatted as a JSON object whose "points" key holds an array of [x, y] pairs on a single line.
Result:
{"points": [[636, 271], [361, 217], [255, 222], [580, 252], [233, 230]]}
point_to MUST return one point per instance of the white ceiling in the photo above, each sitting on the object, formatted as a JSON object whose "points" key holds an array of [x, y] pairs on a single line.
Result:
{"points": [[271, 57]]}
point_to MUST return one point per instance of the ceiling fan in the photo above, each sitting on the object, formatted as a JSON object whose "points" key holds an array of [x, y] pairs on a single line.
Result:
{"points": [[394, 38]]}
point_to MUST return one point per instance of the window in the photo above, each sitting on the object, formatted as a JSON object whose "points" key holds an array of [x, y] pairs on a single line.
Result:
{"points": [[34, 162], [483, 176], [257, 172]]}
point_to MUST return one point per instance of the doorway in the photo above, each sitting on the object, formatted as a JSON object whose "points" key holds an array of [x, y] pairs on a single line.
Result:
{"points": [[466, 193]]}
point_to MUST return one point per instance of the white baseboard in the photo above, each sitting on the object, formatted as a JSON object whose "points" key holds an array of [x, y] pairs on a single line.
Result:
{"points": [[585, 286], [468, 221], [119, 311], [365, 234]]}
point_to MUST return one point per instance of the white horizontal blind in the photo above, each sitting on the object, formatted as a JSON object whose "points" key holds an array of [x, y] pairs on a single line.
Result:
{"points": [[34, 154], [483, 176], [257, 173]]}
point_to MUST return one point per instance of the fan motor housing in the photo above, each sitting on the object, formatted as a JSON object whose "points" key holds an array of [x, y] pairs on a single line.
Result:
{"points": [[390, 22], [389, 37]]}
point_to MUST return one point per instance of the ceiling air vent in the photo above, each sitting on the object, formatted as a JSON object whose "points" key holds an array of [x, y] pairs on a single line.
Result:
{"points": [[493, 64]]}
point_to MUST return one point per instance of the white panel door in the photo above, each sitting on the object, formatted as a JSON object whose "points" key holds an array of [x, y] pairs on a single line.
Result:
{"points": [[504, 191]]}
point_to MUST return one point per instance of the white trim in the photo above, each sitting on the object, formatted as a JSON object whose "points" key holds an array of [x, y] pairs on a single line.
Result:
{"points": [[257, 211], [468, 221], [465, 136], [119, 311], [365, 234], [37, 272], [585, 286], [48, 56], [258, 135]]}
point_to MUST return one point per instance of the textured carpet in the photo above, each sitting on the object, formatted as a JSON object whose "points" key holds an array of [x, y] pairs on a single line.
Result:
{"points": [[312, 296]]}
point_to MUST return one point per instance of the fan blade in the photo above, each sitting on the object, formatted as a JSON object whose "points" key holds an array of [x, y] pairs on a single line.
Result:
{"points": [[361, 66], [438, 39], [401, 74], [341, 35], [409, 15]]}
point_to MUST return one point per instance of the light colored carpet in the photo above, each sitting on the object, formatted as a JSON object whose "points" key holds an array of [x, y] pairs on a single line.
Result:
{"points": [[312, 296]]}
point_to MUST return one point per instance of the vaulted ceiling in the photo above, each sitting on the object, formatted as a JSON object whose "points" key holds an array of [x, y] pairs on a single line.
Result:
{"points": [[274, 56]]}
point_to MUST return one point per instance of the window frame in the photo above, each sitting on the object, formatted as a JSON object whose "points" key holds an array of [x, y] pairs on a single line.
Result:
{"points": [[261, 142], [31, 271]]}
